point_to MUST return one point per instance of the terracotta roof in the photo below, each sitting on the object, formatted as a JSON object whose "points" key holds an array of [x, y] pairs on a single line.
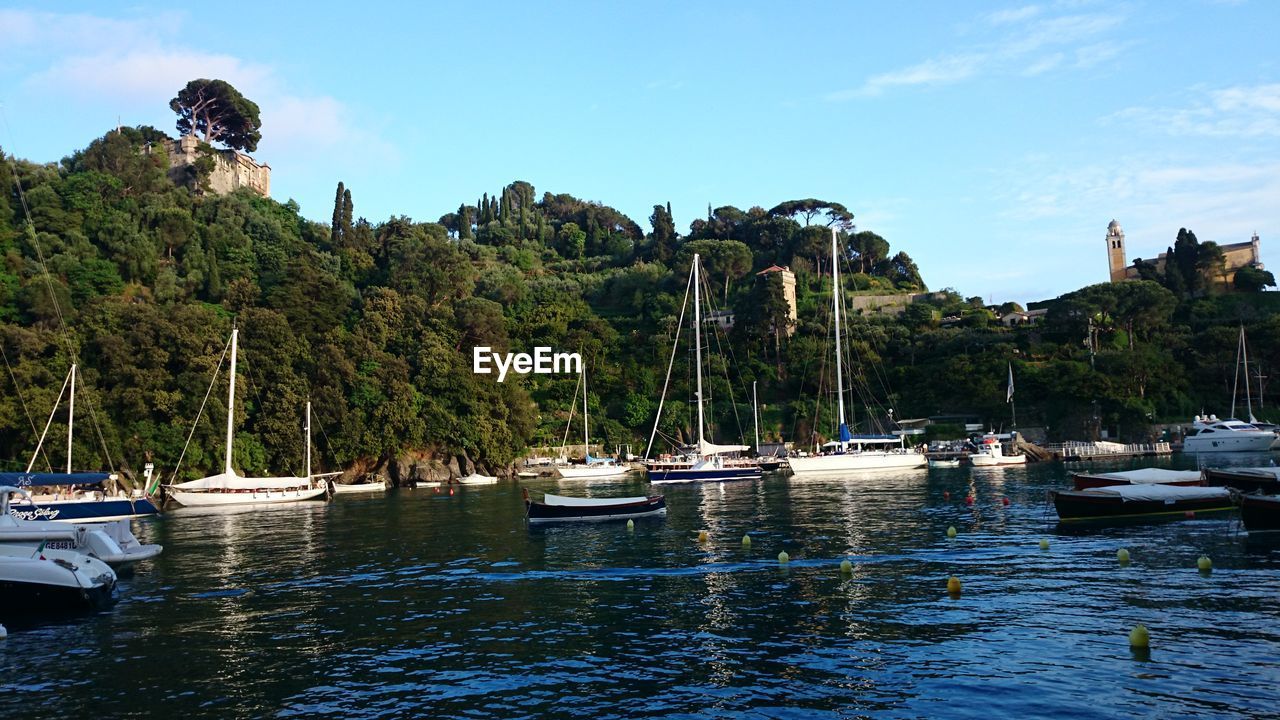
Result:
{"points": [[773, 269]]}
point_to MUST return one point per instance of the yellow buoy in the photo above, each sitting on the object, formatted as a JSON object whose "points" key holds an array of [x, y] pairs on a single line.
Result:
{"points": [[1123, 556], [846, 567], [951, 531], [1139, 637], [631, 524], [953, 585], [783, 557], [702, 536], [746, 541], [1204, 563], [1044, 543]]}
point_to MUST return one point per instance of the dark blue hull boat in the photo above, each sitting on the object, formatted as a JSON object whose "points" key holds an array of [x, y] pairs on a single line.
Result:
{"points": [[675, 475]]}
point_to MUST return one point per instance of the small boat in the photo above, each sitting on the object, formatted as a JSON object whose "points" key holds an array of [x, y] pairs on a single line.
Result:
{"points": [[1144, 476], [944, 463], [1246, 480], [1260, 513], [112, 542], [557, 508], [360, 487], [478, 479], [1211, 435], [991, 454], [591, 468], [50, 580], [1124, 502]]}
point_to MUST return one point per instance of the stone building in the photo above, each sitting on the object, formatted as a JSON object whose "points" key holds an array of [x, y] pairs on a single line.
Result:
{"points": [[788, 293], [231, 170], [1236, 255]]}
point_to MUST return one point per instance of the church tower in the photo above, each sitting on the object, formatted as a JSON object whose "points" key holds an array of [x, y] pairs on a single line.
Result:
{"points": [[1115, 251]]}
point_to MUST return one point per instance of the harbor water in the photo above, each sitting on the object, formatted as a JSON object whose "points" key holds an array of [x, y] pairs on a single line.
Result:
{"points": [[428, 603]]}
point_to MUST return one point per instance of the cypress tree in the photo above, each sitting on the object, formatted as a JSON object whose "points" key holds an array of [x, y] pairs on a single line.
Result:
{"points": [[335, 229], [347, 208]]}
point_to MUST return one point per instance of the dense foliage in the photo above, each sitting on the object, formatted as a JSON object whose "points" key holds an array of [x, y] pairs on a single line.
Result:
{"points": [[375, 322]]}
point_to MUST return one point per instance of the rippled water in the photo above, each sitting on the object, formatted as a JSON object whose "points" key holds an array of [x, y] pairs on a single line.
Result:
{"points": [[431, 605]]}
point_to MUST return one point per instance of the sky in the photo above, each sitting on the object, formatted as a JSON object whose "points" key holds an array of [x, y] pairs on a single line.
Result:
{"points": [[992, 142]]}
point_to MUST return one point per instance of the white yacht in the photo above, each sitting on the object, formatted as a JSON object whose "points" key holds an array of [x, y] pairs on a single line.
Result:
{"points": [[111, 542], [1209, 434]]}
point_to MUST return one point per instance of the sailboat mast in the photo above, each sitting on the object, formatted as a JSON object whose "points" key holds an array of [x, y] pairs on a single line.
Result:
{"points": [[755, 413], [71, 416], [835, 305], [586, 429], [308, 440], [697, 343], [231, 398], [1235, 378], [1248, 394]]}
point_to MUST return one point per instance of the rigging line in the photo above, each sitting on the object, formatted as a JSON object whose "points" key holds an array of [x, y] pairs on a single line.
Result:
{"points": [[670, 364], [572, 406], [200, 412], [725, 367], [18, 391], [53, 298]]}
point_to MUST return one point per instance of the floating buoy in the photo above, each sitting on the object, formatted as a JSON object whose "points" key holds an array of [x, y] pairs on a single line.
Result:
{"points": [[1190, 514], [783, 557], [702, 536], [846, 567], [746, 541], [1004, 501], [1204, 563], [953, 585], [946, 494], [1123, 556], [951, 531], [969, 500], [1139, 637], [3, 633], [631, 524], [451, 491], [1044, 543]]}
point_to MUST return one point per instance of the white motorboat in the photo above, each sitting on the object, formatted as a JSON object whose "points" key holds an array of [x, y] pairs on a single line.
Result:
{"points": [[849, 453], [1211, 435], [112, 542], [51, 580], [229, 488], [478, 479], [991, 454]]}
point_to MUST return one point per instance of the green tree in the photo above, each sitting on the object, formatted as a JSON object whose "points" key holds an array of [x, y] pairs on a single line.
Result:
{"points": [[220, 112]]}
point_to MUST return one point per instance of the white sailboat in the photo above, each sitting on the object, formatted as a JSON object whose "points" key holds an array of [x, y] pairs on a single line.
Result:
{"points": [[229, 488], [854, 453], [592, 468]]}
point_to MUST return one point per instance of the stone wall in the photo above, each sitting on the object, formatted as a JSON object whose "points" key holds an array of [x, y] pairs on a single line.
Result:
{"points": [[231, 170]]}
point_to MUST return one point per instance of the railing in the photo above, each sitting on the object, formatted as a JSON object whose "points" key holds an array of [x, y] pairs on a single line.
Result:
{"points": [[1073, 450]]}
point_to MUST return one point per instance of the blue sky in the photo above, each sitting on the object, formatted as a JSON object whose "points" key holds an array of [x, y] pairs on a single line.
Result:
{"points": [[992, 142]]}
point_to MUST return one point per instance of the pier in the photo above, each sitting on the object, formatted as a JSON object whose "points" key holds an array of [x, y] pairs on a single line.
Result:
{"points": [[1078, 451]]}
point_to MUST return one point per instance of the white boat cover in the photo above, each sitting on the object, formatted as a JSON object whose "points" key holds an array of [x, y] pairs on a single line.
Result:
{"points": [[1152, 476], [710, 448], [231, 481], [1162, 492], [550, 499]]}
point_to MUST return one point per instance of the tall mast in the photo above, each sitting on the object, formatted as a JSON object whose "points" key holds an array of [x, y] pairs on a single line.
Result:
{"points": [[308, 440], [231, 398], [835, 304], [586, 437], [71, 416], [755, 413], [697, 343], [1248, 394], [1235, 378]]}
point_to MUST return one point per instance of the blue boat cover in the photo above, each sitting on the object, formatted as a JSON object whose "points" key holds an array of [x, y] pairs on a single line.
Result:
{"points": [[844, 433], [32, 479]]}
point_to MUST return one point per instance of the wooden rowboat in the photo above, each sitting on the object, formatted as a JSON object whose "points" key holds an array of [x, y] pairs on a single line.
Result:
{"points": [[1246, 480], [1145, 476], [1260, 513], [557, 508], [1140, 502]]}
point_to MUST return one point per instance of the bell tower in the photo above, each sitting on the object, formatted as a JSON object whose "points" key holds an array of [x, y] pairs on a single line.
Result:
{"points": [[1115, 251]]}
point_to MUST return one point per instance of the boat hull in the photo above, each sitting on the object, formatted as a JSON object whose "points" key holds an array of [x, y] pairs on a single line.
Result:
{"points": [[1242, 481], [1260, 513], [355, 488], [856, 462], [1230, 442], [1075, 506], [538, 512], [247, 497], [84, 510], [1002, 461], [723, 474], [588, 472], [21, 597]]}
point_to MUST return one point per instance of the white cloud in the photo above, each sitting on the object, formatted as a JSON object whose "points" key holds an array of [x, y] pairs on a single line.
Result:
{"points": [[940, 70], [1239, 111], [1014, 15]]}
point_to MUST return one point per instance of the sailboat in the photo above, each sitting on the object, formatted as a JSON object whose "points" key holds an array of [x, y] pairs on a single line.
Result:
{"points": [[853, 453], [593, 468], [229, 488], [85, 498], [706, 461]]}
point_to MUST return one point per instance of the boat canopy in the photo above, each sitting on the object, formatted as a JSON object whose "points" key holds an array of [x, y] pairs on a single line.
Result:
{"points": [[710, 448], [33, 479], [592, 460], [1154, 476], [564, 501], [231, 481], [1161, 492]]}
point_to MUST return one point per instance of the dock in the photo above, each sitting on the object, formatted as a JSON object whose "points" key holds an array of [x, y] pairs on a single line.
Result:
{"points": [[1080, 451]]}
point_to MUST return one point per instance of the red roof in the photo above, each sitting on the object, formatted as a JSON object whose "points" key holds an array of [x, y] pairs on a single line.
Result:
{"points": [[773, 269]]}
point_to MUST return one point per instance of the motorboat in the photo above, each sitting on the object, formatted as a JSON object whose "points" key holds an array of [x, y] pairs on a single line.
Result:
{"points": [[83, 498], [1209, 434], [558, 508], [48, 580], [1260, 513], [991, 454], [1144, 476], [1246, 480], [1142, 501], [112, 542], [230, 488], [476, 478]]}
